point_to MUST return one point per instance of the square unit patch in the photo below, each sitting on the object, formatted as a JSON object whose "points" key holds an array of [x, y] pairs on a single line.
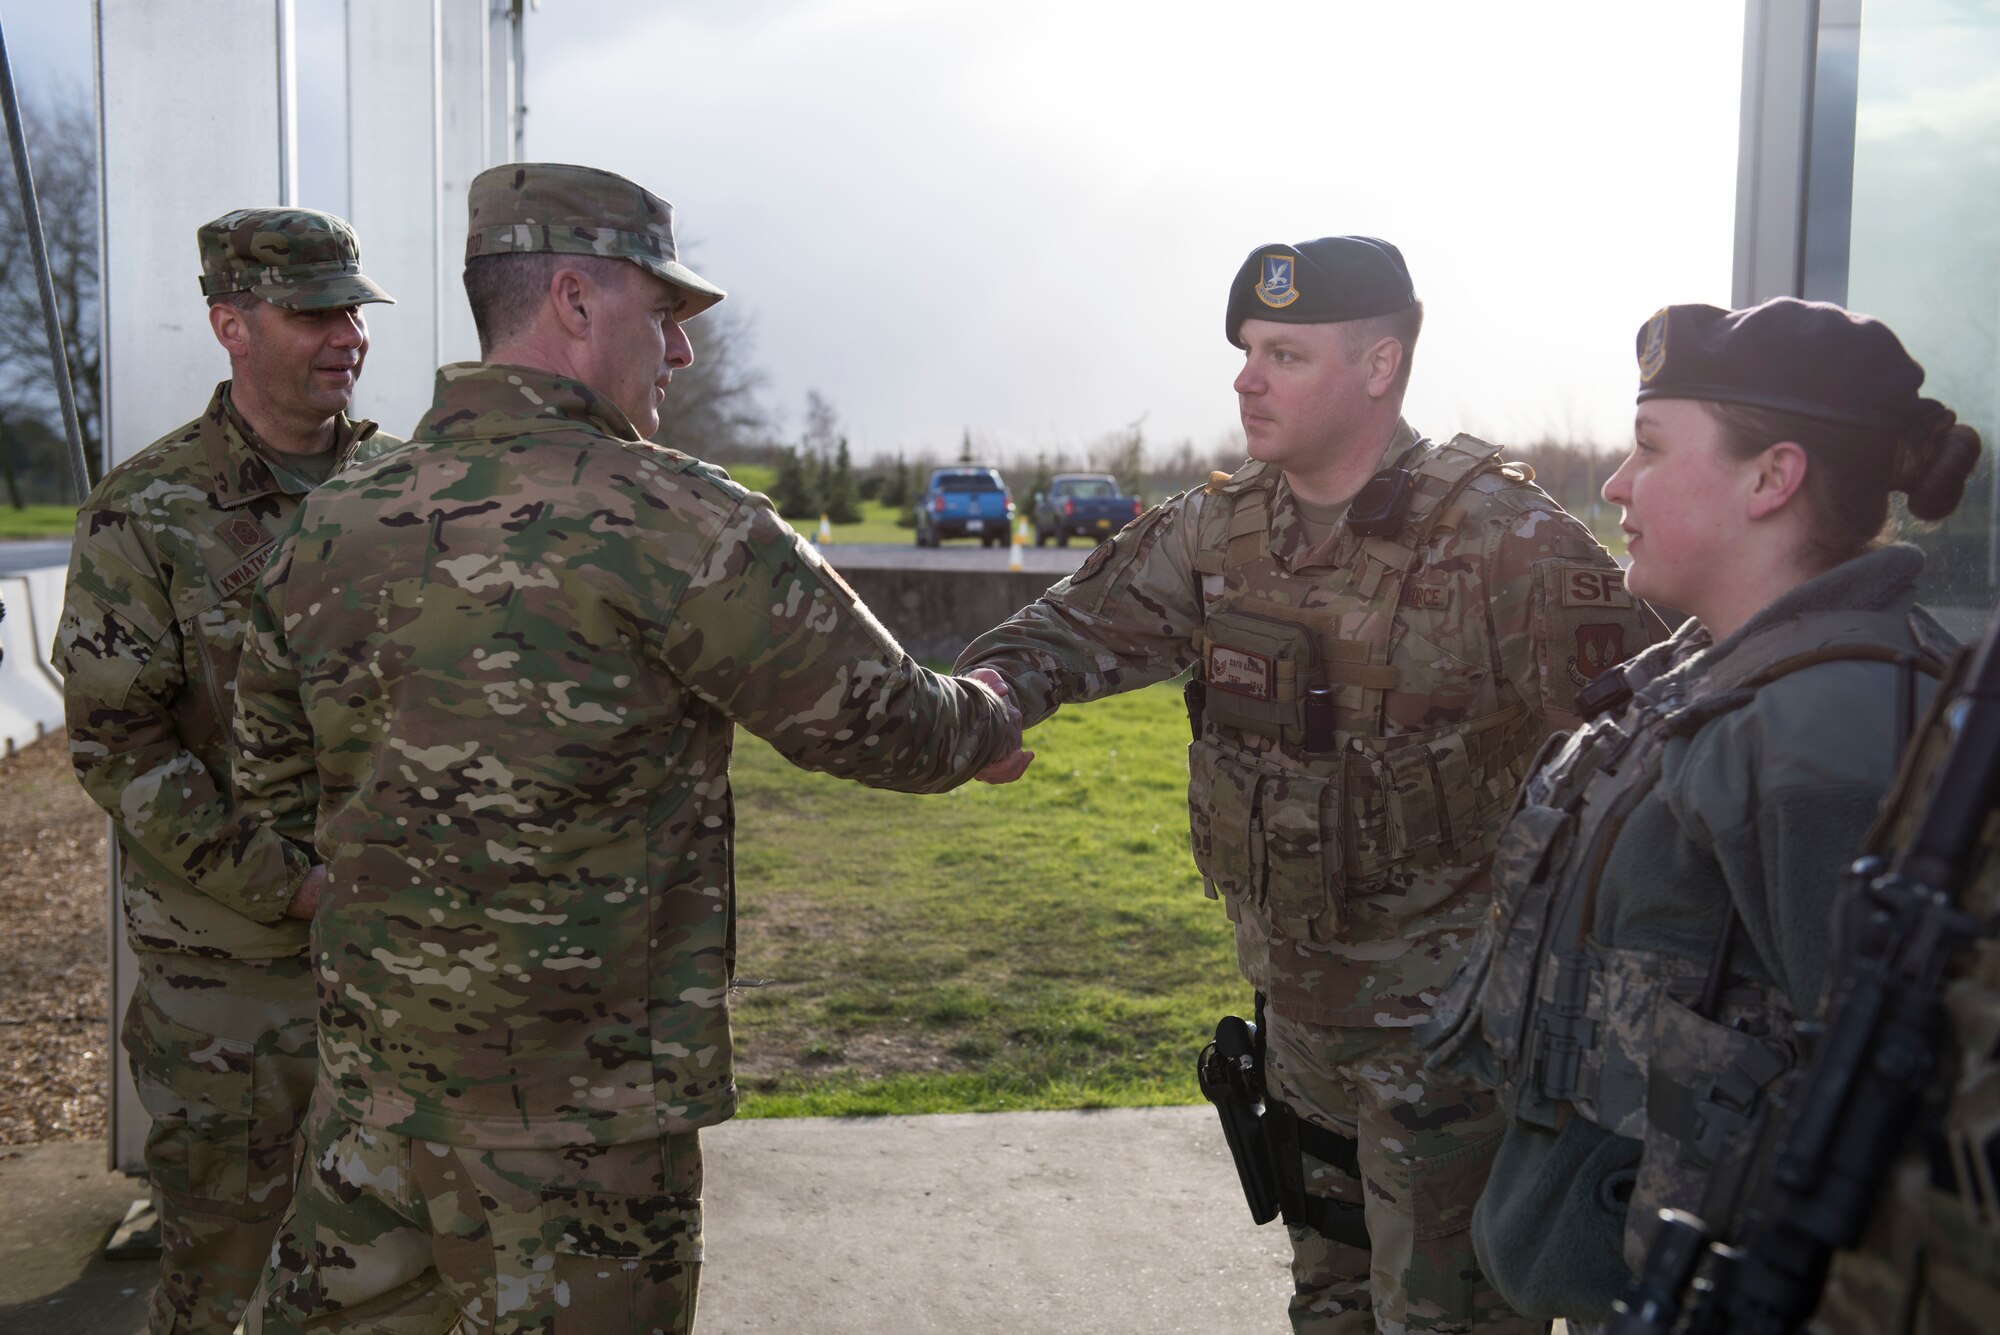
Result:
{"points": [[1242, 671], [1594, 586]]}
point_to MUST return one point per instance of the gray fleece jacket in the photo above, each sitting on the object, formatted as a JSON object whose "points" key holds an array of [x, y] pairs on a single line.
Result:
{"points": [[1758, 814]]}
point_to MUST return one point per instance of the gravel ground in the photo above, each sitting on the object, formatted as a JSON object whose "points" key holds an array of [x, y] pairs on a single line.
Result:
{"points": [[52, 968]]}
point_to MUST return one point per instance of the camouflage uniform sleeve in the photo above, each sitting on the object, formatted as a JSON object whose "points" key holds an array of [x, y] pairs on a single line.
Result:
{"points": [[119, 651], [1125, 619], [768, 633], [277, 778], [1559, 609]]}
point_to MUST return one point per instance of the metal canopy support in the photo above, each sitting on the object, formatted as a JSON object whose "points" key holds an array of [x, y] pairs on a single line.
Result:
{"points": [[38, 255]]}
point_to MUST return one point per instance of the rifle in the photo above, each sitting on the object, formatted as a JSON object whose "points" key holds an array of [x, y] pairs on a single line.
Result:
{"points": [[1850, 1108]]}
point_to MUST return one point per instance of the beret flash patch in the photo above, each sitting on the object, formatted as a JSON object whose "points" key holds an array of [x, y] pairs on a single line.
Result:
{"points": [[1653, 346], [1276, 288]]}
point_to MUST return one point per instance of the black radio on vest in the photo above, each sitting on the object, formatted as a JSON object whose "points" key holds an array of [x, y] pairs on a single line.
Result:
{"points": [[1377, 510]]}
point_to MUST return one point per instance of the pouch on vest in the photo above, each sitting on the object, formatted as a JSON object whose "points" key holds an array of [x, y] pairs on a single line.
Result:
{"points": [[1269, 837], [1430, 798], [1257, 669], [1522, 901], [1707, 1093]]}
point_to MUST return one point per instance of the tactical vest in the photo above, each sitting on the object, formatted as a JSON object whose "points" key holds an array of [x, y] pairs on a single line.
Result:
{"points": [[1287, 809], [1654, 1047]]}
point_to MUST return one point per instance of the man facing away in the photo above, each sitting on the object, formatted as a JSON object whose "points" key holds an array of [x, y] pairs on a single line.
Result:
{"points": [[502, 671], [1383, 629], [220, 1027]]}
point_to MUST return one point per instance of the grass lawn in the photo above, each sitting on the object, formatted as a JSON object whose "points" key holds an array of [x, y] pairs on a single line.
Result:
{"points": [[1042, 945], [878, 522], [37, 521]]}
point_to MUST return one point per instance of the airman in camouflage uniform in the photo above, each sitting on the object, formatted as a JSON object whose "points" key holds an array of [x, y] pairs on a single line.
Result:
{"points": [[219, 1030], [1379, 663], [493, 681]]}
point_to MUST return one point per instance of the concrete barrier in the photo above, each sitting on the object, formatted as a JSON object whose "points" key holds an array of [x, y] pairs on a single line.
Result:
{"points": [[31, 703], [936, 613]]}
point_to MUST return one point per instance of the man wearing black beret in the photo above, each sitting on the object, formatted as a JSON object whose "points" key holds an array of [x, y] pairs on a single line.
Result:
{"points": [[1383, 630]]}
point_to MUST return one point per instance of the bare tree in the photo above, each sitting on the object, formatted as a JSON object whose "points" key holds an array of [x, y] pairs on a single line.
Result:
{"points": [[62, 146], [713, 411], [1122, 454]]}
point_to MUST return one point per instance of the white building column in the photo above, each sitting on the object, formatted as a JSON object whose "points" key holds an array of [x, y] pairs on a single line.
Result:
{"points": [[393, 57], [197, 118], [172, 155]]}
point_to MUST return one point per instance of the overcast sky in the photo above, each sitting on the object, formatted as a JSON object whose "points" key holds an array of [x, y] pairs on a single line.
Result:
{"points": [[1022, 217]]}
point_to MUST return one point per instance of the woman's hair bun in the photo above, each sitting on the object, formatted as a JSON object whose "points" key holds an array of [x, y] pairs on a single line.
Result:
{"points": [[1933, 461]]}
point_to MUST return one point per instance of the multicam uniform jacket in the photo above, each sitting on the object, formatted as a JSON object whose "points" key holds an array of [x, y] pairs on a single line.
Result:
{"points": [[1351, 868], [1662, 898], [167, 549], [494, 680]]}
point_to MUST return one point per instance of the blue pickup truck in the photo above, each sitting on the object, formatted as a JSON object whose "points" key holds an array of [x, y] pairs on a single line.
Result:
{"points": [[964, 503], [1082, 505]]}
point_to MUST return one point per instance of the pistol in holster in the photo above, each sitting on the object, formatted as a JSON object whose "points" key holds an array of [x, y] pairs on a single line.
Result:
{"points": [[1268, 1140]]}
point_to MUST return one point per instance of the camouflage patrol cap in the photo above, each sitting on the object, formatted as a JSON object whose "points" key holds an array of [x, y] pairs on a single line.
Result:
{"points": [[525, 208], [301, 259]]}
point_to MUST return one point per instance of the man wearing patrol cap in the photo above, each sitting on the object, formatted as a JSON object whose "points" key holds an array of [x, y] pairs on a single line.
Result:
{"points": [[502, 669], [220, 1029], [1383, 630]]}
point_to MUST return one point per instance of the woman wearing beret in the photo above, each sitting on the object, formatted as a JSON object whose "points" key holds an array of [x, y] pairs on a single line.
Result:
{"points": [[1664, 890]]}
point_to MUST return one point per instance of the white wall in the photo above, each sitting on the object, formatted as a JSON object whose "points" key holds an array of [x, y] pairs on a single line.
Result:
{"points": [[198, 117], [392, 153], [174, 155]]}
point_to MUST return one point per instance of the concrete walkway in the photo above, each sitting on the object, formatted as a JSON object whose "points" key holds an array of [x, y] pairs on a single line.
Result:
{"points": [[1126, 1221]]}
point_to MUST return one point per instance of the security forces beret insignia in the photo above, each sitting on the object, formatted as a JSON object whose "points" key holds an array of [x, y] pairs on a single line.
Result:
{"points": [[1653, 347], [1276, 289], [525, 208], [301, 259], [1804, 357], [1325, 281]]}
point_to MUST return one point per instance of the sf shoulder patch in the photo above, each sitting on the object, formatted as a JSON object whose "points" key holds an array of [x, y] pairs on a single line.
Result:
{"points": [[1594, 586], [1586, 622]]}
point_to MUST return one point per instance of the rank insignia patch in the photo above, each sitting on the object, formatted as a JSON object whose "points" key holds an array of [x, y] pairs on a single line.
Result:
{"points": [[244, 534], [1276, 288], [1653, 347], [1241, 671]]}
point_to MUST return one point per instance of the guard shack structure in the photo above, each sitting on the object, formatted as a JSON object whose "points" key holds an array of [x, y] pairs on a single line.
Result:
{"points": [[381, 111]]}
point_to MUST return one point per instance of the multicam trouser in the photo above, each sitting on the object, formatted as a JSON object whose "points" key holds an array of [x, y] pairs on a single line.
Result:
{"points": [[1425, 1146], [222, 1052], [399, 1236]]}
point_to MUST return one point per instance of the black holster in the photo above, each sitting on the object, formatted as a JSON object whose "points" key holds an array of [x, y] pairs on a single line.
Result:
{"points": [[1268, 1140]]}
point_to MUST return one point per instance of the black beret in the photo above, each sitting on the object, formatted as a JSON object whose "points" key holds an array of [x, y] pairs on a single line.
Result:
{"points": [[1805, 357], [1318, 282]]}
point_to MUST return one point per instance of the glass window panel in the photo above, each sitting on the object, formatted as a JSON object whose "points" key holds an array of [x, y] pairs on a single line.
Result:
{"points": [[1925, 246]]}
